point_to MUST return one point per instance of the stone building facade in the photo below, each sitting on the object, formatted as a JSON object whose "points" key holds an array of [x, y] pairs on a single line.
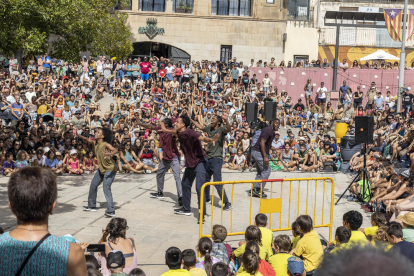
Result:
{"points": [[248, 29]]}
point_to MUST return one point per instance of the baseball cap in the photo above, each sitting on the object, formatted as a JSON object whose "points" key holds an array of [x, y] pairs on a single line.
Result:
{"points": [[295, 266], [115, 259], [73, 151], [229, 104]]}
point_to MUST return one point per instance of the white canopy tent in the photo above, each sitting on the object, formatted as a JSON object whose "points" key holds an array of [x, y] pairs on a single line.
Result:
{"points": [[378, 55]]}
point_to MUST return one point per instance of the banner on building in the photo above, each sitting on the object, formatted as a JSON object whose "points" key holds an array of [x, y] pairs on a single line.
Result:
{"points": [[394, 22]]}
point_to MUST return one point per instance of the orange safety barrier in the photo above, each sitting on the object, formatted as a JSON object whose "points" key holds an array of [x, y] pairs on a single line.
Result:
{"points": [[314, 203]]}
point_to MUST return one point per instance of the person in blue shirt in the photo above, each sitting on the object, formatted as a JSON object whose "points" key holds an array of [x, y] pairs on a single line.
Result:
{"points": [[47, 64], [379, 101], [343, 90], [16, 111]]}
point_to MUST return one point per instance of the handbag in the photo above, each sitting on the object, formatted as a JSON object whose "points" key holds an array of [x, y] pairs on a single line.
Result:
{"points": [[14, 67]]}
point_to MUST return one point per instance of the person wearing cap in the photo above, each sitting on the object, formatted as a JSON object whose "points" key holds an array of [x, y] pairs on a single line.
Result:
{"points": [[106, 172], [299, 106], [215, 155], [260, 152], [195, 161], [115, 262], [295, 267]]}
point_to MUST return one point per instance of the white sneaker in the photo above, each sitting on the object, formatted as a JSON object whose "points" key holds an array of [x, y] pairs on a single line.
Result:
{"points": [[148, 171], [284, 127]]}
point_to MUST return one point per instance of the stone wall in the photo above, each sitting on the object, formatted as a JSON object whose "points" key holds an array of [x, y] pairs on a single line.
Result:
{"points": [[201, 35]]}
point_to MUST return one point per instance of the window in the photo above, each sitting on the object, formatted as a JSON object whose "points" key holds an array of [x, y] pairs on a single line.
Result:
{"points": [[225, 53], [183, 6], [300, 58], [270, 1], [231, 7], [152, 5], [298, 10]]}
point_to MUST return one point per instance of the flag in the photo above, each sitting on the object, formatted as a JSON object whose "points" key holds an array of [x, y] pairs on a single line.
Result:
{"points": [[410, 25], [393, 20]]}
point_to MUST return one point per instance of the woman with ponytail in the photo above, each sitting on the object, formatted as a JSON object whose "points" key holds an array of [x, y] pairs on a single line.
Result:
{"points": [[250, 264], [264, 267], [205, 261]]}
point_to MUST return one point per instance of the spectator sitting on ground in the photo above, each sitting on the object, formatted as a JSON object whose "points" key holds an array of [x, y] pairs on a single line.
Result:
{"points": [[58, 256], [395, 236], [252, 233], [173, 259], [115, 262], [267, 236], [189, 263], [342, 236], [278, 261]]}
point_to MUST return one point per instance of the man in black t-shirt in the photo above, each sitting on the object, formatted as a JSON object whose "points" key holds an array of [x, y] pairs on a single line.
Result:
{"points": [[358, 96], [299, 106], [260, 152], [407, 101]]}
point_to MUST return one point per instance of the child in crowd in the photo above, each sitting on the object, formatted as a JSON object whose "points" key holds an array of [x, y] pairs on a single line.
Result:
{"points": [[267, 236], [296, 234], [377, 220], [264, 267], [189, 263], [353, 221], [309, 246], [21, 161], [90, 163], [252, 233], [137, 272], [8, 165], [206, 260], [73, 163], [342, 236], [380, 239], [173, 259], [39, 159], [238, 161], [278, 261], [220, 250], [250, 263]]}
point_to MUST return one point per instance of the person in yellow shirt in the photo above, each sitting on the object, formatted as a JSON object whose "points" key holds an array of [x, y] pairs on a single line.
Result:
{"points": [[219, 269], [267, 236], [173, 259], [189, 263], [353, 221], [380, 239], [278, 261], [309, 246], [250, 263], [296, 234], [342, 236], [377, 220], [252, 233]]}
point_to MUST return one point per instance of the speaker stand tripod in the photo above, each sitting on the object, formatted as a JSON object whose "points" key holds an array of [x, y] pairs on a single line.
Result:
{"points": [[365, 179]]}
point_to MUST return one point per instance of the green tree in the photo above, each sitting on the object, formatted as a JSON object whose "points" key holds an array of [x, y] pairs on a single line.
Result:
{"points": [[64, 27]]}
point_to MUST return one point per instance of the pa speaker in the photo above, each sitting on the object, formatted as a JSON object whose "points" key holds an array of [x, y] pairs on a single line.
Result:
{"points": [[251, 112], [270, 111], [364, 129]]}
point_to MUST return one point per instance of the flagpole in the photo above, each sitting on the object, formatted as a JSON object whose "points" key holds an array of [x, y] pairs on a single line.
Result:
{"points": [[402, 57]]}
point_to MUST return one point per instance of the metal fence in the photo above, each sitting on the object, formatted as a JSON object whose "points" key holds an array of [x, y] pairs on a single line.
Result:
{"points": [[289, 198]]}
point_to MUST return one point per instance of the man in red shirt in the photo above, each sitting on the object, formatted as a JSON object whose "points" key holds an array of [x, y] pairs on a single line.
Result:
{"points": [[162, 72], [145, 68]]}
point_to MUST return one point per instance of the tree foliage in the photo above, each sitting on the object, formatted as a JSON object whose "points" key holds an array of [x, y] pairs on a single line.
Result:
{"points": [[64, 28]]}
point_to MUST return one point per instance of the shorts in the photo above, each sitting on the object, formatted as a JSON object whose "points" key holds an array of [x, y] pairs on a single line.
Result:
{"points": [[323, 100], [144, 77], [265, 89], [148, 162], [308, 94]]}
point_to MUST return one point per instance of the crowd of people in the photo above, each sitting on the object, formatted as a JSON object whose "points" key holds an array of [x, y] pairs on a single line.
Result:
{"points": [[35, 250]]}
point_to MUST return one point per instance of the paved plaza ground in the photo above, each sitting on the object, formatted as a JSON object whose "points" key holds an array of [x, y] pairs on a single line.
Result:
{"points": [[153, 224]]}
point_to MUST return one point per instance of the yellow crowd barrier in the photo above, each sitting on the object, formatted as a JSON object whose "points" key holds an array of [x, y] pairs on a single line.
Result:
{"points": [[309, 197]]}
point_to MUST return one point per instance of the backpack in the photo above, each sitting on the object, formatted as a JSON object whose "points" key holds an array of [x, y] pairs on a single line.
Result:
{"points": [[220, 252]]}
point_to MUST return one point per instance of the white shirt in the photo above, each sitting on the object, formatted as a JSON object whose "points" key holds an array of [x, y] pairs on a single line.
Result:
{"points": [[30, 95], [322, 92], [169, 69], [10, 99]]}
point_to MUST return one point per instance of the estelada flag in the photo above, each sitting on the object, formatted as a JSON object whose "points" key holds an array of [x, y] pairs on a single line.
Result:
{"points": [[410, 25], [393, 21]]}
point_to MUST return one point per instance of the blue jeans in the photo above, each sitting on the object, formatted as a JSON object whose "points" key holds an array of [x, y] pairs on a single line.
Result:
{"points": [[407, 108], [107, 178], [120, 74], [199, 174], [144, 77], [214, 169]]}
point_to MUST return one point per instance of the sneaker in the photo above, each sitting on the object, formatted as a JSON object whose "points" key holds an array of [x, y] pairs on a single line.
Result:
{"points": [[227, 206], [182, 211], [208, 201], [180, 201], [147, 171], [111, 214], [158, 195], [90, 209], [198, 221]]}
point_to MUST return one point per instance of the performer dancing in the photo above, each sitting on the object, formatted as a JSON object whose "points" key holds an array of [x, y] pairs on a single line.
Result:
{"points": [[106, 172], [195, 161], [260, 152], [170, 159], [215, 155]]}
